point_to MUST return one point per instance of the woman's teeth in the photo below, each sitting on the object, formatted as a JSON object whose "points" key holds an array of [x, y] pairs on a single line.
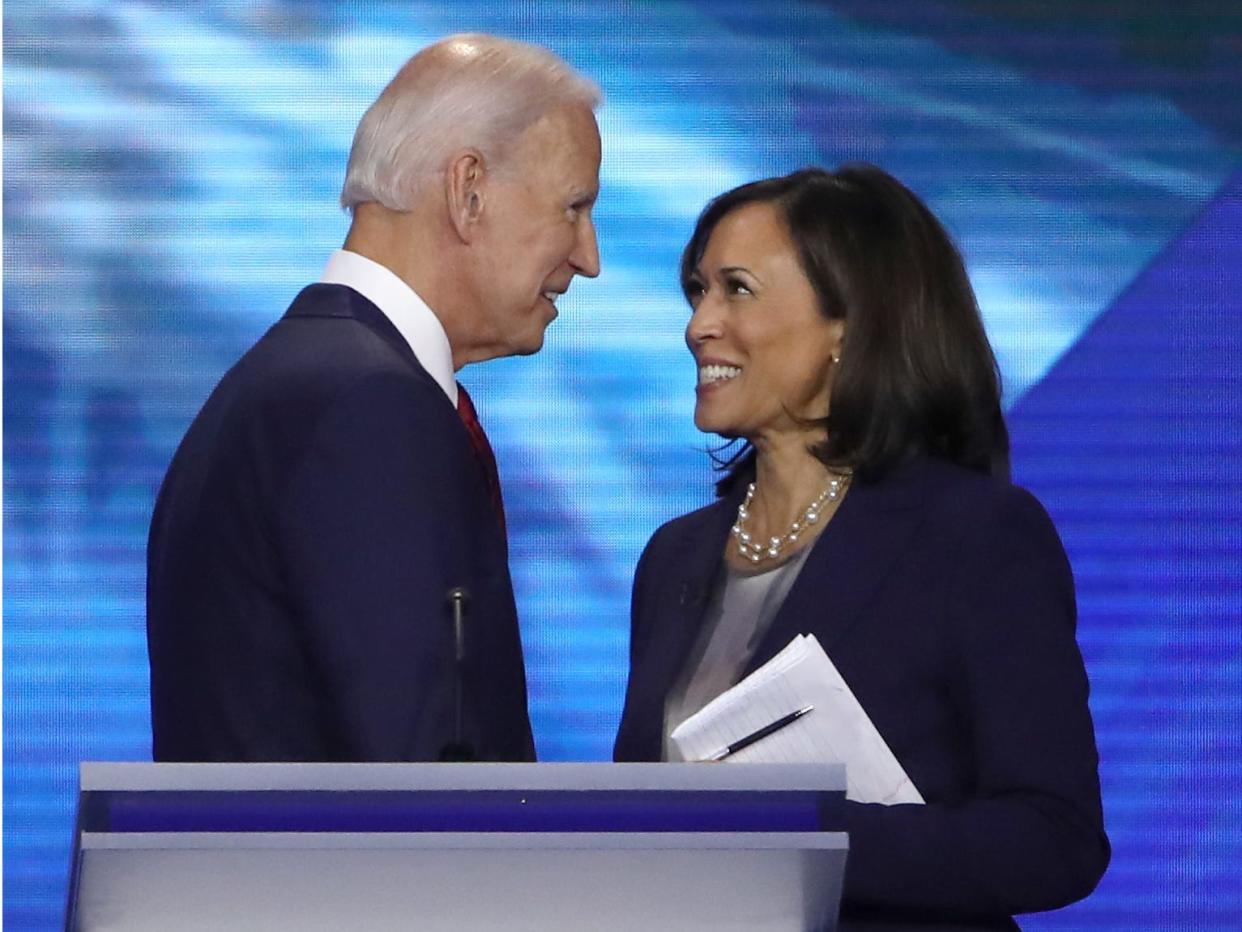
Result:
{"points": [[710, 374]]}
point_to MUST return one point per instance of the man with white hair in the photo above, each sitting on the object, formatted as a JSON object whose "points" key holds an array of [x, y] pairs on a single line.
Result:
{"points": [[336, 487]]}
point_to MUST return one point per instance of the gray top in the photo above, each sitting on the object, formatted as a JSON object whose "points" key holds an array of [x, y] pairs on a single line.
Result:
{"points": [[739, 614]]}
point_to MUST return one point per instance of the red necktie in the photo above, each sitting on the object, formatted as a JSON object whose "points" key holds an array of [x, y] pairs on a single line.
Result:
{"points": [[482, 451]]}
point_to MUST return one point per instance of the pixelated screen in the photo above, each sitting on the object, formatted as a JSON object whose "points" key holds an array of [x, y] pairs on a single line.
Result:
{"points": [[171, 174]]}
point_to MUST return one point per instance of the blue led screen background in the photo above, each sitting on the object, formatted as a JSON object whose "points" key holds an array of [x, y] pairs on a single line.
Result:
{"points": [[170, 180]]}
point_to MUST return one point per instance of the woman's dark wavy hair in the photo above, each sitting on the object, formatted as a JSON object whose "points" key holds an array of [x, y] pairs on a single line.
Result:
{"points": [[917, 376]]}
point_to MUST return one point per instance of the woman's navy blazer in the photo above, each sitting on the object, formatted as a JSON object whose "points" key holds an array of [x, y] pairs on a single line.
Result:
{"points": [[945, 599]]}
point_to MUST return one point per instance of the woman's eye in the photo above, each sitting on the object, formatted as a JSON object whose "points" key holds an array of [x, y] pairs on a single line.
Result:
{"points": [[694, 291], [736, 286]]}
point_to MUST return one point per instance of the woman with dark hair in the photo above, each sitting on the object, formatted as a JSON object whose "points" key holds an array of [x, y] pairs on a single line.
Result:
{"points": [[835, 332]]}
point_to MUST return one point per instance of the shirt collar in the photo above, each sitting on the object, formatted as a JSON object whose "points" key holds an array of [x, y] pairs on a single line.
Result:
{"points": [[414, 320]]}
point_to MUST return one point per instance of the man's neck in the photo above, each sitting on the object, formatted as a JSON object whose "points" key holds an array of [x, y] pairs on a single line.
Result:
{"points": [[407, 244]]}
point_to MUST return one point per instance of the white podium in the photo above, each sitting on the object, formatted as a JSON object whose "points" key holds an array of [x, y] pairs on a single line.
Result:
{"points": [[457, 846]]}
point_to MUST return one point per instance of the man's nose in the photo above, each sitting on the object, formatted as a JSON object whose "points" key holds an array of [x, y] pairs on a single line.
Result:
{"points": [[585, 257]]}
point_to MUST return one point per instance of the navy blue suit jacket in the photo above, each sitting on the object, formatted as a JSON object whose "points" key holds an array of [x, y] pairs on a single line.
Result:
{"points": [[320, 507], [945, 600]]}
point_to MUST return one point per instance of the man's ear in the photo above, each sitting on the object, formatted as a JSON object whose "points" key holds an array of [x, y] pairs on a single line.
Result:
{"points": [[465, 187]]}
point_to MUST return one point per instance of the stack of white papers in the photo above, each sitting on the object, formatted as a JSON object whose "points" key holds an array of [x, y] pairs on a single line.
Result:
{"points": [[836, 730]]}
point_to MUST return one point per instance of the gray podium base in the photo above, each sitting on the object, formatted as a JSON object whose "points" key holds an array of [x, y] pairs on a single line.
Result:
{"points": [[460, 882]]}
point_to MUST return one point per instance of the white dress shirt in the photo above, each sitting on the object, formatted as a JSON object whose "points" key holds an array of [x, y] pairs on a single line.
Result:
{"points": [[413, 319]]}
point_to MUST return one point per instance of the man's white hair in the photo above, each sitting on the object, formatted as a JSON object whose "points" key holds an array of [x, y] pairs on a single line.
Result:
{"points": [[468, 90]]}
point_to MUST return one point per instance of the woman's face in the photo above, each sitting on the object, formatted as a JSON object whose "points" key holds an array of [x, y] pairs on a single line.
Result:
{"points": [[762, 347]]}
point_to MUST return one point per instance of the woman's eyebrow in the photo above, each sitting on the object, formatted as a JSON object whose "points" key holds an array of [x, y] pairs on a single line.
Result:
{"points": [[728, 269]]}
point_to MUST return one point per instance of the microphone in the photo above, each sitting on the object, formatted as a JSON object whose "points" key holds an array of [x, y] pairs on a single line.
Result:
{"points": [[458, 599], [457, 749], [692, 594]]}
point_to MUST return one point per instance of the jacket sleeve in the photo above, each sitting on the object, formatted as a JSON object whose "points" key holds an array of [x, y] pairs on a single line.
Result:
{"points": [[1030, 836]]}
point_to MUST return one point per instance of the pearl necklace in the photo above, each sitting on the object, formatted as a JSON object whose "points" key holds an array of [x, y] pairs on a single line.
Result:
{"points": [[754, 552]]}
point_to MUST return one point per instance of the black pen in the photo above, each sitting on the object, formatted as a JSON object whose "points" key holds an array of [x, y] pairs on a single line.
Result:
{"points": [[763, 732]]}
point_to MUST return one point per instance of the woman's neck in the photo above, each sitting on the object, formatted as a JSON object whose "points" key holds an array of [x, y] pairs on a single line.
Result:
{"points": [[793, 498], [787, 479]]}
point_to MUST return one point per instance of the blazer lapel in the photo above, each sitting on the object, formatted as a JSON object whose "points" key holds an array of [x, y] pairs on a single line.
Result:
{"points": [[698, 553], [848, 563]]}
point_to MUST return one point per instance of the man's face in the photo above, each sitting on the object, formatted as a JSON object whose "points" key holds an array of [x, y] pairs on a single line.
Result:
{"points": [[537, 232]]}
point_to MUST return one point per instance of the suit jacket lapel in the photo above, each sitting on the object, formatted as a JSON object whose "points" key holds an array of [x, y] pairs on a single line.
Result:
{"points": [[848, 563], [698, 554]]}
